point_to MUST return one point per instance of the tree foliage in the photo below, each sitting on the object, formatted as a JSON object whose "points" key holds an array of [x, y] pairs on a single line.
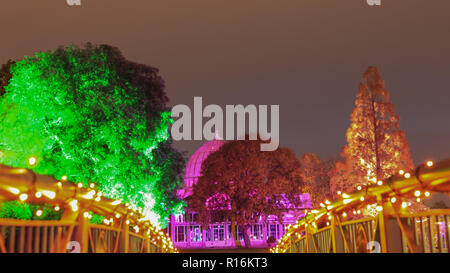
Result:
{"points": [[376, 146], [315, 174], [242, 183], [5, 75], [92, 115]]}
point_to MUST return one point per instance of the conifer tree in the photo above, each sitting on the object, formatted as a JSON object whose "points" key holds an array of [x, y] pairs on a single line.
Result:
{"points": [[376, 146]]}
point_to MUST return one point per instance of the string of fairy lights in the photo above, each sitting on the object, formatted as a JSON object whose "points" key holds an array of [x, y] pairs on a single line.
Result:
{"points": [[360, 197], [135, 219]]}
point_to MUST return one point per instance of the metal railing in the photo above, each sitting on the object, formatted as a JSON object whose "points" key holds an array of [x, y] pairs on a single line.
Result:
{"points": [[392, 228], [123, 231]]}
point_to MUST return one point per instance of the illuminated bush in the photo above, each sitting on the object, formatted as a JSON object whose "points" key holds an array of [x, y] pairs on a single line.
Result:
{"points": [[90, 114]]}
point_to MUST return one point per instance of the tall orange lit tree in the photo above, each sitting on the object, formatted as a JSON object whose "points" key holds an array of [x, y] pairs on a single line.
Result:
{"points": [[376, 146]]}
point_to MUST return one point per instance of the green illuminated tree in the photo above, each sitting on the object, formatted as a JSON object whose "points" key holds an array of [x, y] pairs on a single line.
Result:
{"points": [[5, 76], [94, 116]]}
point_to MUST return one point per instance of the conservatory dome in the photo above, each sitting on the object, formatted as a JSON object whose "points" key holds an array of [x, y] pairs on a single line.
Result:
{"points": [[194, 166]]}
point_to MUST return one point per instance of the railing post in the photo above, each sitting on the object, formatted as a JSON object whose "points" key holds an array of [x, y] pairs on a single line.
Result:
{"points": [[333, 233], [307, 239], [381, 225], [81, 233], [124, 241], [68, 215]]}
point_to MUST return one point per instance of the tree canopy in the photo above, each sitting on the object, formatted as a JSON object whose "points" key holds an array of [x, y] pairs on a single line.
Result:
{"points": [[377, 147], [315, 173], [90, 114], [242, 183]]}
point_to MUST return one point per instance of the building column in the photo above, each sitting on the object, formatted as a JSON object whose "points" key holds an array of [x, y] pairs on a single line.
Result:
{"points": [[172, 227], [265, 225]]}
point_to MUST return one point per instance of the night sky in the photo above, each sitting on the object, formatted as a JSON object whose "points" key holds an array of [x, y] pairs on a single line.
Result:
{"points": [[308, 56]]}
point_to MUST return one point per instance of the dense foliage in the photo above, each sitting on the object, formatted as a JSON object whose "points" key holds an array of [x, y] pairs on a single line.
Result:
{"points": [[242, 183], [94, 116], [377, 147], [315, 173]]}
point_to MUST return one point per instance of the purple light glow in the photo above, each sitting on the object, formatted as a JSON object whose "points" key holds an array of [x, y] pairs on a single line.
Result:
{"points": [[187, 233]]}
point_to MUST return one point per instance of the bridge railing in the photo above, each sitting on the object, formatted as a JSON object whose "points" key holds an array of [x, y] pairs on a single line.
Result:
{"points": [[124, 229], [18, 236], [391, 228]]}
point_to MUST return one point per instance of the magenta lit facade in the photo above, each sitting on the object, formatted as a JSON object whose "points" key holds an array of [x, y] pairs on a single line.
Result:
{"points": [[186, 232]]}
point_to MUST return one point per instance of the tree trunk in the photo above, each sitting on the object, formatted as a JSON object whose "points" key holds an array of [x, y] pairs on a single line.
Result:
{"points": [[375, 132], [247, 236], [237, 242]]}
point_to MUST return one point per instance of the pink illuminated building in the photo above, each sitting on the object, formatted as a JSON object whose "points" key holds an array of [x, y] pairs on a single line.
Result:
{"points": [[186, 232]]}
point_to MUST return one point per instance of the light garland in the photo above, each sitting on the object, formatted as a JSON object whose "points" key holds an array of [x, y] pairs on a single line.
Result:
{"points": [[141, 225], [345, 199]]}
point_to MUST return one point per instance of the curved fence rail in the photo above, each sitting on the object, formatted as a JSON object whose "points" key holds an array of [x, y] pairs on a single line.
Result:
{"points": [[391, 227], [124, 229]]}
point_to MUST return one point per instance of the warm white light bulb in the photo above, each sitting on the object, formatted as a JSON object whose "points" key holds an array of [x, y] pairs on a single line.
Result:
{"points": [[32, 161], [38, 212], [23, 197]]}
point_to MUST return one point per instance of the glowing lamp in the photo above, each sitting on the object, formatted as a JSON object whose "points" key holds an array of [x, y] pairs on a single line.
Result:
{"points": [[14, 190], [49, 194], [23, 197], [32, 161]]}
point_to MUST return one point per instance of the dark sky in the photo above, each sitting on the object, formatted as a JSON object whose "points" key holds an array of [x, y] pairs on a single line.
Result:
{"points": [[308, 56]]}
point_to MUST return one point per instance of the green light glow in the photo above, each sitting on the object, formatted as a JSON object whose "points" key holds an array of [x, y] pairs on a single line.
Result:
{"points": [[83, 113], [17, 210]]}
